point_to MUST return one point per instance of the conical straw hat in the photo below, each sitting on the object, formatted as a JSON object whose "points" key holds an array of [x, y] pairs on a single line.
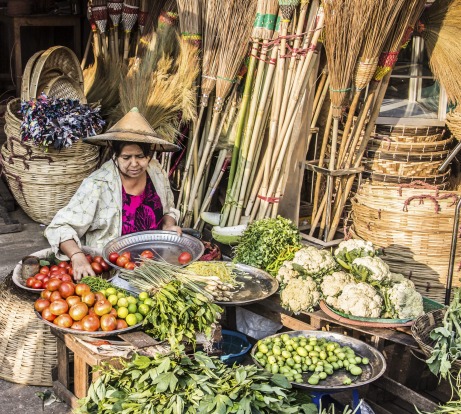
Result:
{"points": [[133, 127]]}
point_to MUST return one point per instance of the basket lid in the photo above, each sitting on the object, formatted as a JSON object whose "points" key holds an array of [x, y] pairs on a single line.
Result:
{"points": [[63, 87], [26, 76]]}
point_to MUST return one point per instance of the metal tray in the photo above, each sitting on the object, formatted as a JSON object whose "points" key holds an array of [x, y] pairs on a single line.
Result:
{"points": [[334, 383], [255, 285], [95, 333], [166, 244]]}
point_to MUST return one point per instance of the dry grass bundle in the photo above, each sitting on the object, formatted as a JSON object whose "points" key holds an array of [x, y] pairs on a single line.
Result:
{"points": [[190, 20], [441, 31], [161, 87]]}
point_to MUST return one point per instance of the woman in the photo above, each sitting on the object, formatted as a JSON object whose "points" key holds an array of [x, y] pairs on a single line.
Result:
{"points": [[128, 194]]}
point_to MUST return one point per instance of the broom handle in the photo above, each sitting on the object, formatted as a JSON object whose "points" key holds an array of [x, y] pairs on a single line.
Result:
{"points": [[363, 145], [116, 41], [326, 135], [87, 51], [112, 43], [126, 46], [104, 46], [346, 139], [96, 44], [318, 106], [190, 154]]}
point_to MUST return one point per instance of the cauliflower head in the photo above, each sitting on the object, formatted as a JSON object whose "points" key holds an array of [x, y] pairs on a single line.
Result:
{"points": [[332, 285], [300, 295], [399, 278], [349, 250], [402, 301], [371, 269], [313, 262], [286, 273], [360, 299]]}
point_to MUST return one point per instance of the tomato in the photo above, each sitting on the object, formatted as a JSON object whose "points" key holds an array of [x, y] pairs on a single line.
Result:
{"points": [[130, 266], [108, 322], [147, 254], [45, 294], [88, 298], [55, 296], [89, 258], [62, 265], [59, 307], [105, 266], [77, 325], [66, 278], [78, 311], [184, 258], [113, 257], [66, 289], [99, 296], [53, 284], [53, 268], [64, 321], [122, 261], [37, 284], [30, 281], [41, 304], [45, 270], [73, 300], [102, 307], [98, 259], [127, 255], [96, 267], [81, 289], [113, 311], [47, 315], [70, 271], [121, 324], [90, 323]]}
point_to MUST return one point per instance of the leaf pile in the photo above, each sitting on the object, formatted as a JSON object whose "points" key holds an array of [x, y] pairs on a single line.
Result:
{"points": [[263, 241], [190, 385]]}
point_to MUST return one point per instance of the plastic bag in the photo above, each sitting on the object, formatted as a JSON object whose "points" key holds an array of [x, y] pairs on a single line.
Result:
{"points": [[255, 326]]}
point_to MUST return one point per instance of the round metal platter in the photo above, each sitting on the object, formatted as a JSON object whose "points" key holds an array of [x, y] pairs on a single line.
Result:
{"points": [[254, 285], [95, 333], [334, 383], [166, 245]]}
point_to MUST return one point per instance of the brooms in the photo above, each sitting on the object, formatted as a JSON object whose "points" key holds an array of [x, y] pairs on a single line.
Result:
{"points": [[129, 18]]}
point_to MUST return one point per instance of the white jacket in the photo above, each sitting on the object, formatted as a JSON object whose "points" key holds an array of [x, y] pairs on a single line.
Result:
{"points": [[93, 216]]}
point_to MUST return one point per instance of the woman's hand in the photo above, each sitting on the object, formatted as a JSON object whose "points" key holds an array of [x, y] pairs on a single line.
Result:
{"points": [[175, 228], [169, 224], [81, 266]]}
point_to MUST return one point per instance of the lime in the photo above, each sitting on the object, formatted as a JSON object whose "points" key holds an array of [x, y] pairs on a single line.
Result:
{"points": [[111, 291], [131, 299], [139, 317], [113, 299], [131, 319], [120, 295], [143, 296], [122, 312], [132, 308], [123, 302], [143, 309], [148, 302]]}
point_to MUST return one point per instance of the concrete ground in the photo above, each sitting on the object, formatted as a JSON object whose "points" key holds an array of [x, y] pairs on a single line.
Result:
{"points": [[14, 398]]}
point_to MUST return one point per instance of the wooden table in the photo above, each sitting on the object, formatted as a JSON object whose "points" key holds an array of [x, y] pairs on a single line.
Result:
{"points": [[16, 42]]}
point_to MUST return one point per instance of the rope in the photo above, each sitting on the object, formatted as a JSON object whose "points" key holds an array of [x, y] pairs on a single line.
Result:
{"points": [[419, 184], [270, 200], [421, 199]]}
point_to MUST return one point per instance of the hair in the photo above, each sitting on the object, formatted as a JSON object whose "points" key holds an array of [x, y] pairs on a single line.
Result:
{"points": [[117, 147]]}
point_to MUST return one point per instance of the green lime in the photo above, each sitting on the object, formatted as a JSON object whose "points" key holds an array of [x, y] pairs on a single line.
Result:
{"points": [[120, 295], [132, 308], [131, 299], [111, 291], [143, 309], [149, 302], [143, 296], [131, 319], [139, 317], [122, 312], [113, 299], [123, 302]]}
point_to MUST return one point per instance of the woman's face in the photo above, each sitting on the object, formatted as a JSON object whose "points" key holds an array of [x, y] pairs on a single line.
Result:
{"points": [[132, 162]]}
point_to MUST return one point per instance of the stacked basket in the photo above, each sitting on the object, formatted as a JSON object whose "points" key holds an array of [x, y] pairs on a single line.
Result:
{"points": [[413, 223], [399, 154], [43, 182]]}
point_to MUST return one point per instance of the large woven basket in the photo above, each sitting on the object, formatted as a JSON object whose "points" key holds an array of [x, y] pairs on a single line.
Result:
{"points": [[382, 144], [42, 187], [453, 122], [402, 168], [404, 133], [422, 329], [27, 347], [440, 180], [414, 226]]}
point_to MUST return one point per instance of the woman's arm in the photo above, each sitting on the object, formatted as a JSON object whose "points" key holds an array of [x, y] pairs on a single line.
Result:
{"points": [[80, 264], [169, 223]]}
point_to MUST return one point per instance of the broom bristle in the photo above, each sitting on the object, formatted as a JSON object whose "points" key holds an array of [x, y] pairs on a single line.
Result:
{"points": [[238, 17], [189, 21], [260, 18], [441, 30]]}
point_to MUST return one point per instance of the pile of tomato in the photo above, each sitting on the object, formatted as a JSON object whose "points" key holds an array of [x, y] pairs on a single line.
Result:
{"points": [[125, 259], [63, 271], [75, 306]]}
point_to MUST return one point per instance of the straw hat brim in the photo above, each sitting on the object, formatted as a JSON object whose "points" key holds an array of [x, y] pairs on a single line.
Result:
{"points": [[132, 136]]}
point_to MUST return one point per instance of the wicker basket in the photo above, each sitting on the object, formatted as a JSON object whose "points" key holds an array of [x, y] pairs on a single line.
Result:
{"points": [[27, 348], [453, 122], [25, 85], [403, 133], [381, 144], [46, 186], [422, 329], [402, 168]]}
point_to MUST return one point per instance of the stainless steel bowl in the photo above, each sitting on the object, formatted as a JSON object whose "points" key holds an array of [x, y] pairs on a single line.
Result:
{"points": [[334, 383], [165, 244]]}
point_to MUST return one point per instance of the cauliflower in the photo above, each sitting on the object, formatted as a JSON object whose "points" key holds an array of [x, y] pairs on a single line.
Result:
{"points": [[313, 262], [402, 301], [286, 273], [371, 269], [360, 299], [300, 295], [332, 285], [349, 250]]}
